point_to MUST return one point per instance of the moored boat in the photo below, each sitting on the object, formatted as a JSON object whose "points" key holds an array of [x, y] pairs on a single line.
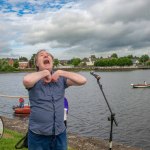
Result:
{"points": [[140, 85], [23, 110]]}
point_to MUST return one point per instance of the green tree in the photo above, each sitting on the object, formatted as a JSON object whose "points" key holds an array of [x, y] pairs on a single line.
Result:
{"points": [[144, 58], [16, 64], [32, 61], [114, 55], [56, 62], [148, 63], [124, 61], [23, 59], [130, 56], [75, 61], [93, 57]]}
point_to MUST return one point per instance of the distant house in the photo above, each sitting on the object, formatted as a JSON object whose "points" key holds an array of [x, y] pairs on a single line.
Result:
{"points": [[88, 61], [135, 62], [23, 65], [63, 62]]}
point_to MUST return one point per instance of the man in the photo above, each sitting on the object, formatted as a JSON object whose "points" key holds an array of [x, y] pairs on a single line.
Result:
{"points": [[46, 88]]}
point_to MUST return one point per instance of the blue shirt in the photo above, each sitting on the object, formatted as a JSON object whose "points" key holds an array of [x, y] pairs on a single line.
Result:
{"points": [[47, 107]]}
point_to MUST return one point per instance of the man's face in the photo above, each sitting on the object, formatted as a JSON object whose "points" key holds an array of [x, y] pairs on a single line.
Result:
{"points": [[44, 61]]}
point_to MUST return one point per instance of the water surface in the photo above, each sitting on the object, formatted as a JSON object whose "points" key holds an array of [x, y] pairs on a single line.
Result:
{"points": [[88, 111]]}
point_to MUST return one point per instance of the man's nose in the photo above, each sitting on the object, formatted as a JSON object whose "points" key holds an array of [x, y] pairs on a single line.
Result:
{"points": [[46, 55]]}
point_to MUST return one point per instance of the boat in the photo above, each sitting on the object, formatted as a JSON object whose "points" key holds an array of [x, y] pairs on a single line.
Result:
{"points": [[26, 108], [23, 110], [140, 85]]}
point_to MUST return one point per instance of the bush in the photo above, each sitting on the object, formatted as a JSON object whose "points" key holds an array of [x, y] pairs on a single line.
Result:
{"points": [[124, 61]]}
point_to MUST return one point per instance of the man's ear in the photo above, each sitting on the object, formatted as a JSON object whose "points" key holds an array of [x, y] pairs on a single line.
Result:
{"points": [[37, 67]]}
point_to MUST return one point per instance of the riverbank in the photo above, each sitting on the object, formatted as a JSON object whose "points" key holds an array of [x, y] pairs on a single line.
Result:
{"points": [[113, 68], [86, 68], [75, 141]]}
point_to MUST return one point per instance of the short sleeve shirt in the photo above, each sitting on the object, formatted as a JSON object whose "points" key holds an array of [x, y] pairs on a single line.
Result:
{"points": [[47, 107]]}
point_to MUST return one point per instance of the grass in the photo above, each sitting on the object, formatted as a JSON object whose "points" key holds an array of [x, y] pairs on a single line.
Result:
{"points": [[10, 138]]}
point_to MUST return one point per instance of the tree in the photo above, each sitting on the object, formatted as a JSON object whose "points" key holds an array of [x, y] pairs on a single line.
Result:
{"points": [[4, 66], [148, 63], [124, 61], [93, 57], [56, 62], [16, 64], [32, 61], [75, 61], [130, 56], [23, 59], [144, 58], [114, 55]]}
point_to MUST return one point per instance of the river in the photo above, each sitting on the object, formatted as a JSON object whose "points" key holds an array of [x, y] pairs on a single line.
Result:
{"points": [[88, 111]]}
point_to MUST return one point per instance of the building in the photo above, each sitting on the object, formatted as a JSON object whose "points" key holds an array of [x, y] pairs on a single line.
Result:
{"points": [[88, 61], [23, 65], [63, 62], [135, 62]]}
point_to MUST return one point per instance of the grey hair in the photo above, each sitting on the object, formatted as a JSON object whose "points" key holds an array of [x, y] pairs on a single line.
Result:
{"points": [[36, 56]]}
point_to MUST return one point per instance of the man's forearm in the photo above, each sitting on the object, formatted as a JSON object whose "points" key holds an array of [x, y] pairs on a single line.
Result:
{"points": [[73, 78], [30, 79]]}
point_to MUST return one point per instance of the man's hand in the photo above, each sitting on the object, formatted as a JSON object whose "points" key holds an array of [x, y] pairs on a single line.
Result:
{"points": [[55, 76], [47, 79], [32, 78]]}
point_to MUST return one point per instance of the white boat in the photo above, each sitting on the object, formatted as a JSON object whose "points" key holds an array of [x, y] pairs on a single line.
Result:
{"points": [[140, 85]]}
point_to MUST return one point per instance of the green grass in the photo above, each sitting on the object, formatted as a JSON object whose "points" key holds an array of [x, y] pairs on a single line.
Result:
{"points": [[10, 138]]}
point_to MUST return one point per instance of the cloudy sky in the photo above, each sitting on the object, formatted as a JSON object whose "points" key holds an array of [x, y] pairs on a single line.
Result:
{"points": [[74, 28]]}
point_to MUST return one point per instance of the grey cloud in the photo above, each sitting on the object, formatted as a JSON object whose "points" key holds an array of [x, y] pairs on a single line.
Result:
{"points": [[123, 11], [98, 26]]}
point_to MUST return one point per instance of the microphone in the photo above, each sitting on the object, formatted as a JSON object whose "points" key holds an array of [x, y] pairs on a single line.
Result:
{"points": [[95, 75]]}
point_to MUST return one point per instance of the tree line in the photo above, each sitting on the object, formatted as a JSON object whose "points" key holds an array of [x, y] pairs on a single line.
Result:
{"points": [[113, 60]]}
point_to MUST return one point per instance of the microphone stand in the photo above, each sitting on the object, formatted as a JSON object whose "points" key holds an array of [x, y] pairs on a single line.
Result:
{"points": [[111, 118]]}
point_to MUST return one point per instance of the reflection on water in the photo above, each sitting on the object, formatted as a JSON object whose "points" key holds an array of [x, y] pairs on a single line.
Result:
{"points": [[88, 111]]}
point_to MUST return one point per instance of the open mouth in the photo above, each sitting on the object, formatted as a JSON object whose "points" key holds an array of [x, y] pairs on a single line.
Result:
{"points": [[46, 61]]}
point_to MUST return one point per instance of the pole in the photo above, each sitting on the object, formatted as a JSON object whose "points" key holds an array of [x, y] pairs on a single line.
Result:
{"points": [[112, 115]]}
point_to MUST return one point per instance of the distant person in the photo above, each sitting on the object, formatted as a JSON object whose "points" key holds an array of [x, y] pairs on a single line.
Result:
{"points": [[65, 110], [145, 83], [21, 102]]}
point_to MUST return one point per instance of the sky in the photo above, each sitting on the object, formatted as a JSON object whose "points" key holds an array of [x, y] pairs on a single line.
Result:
{"points": [[74, 28]]}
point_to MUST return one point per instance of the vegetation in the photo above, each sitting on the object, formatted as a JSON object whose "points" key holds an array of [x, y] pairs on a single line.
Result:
{"points": [[31, 61], [143, 59], [75, 61], [10, 138], [16, 64], [114, 55], [56, 62], [11, 65], [5, 67], [23, 59], [148, 63], [123, 61]]}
